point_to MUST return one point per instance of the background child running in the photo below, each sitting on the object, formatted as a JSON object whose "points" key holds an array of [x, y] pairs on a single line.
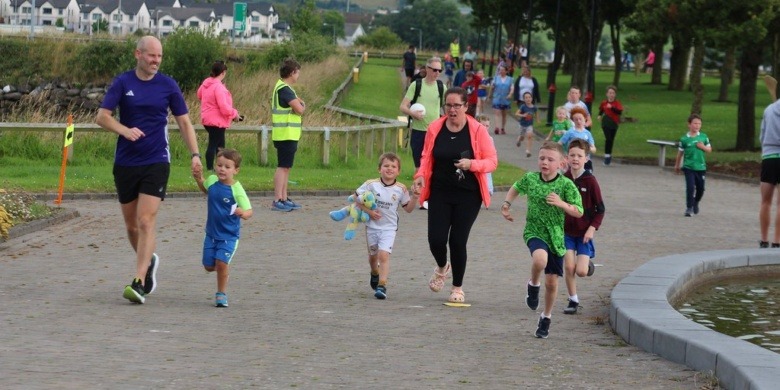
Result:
{"points": [[482, 93], [578, 117], [560, 124], [550, 197], [527, 114], [228, 204], [693, 145], [382, 227], [485, 121], [579, 232]]}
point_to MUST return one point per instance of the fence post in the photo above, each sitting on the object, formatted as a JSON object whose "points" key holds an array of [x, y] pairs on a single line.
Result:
{"points": [[326, 147], [262, 145]]}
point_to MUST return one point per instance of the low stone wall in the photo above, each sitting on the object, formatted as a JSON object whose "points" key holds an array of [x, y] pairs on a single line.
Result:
{"points": [[642, 315], [62, 96]]}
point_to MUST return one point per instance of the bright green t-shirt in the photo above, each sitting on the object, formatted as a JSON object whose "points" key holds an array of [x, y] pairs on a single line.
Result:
{"points": [[544, 221], [693, 157], [429, 98], [560, 126]]}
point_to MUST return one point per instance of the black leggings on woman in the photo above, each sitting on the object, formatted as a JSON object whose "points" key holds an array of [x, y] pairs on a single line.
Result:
{"points": [[216, 141], [450, 218]]}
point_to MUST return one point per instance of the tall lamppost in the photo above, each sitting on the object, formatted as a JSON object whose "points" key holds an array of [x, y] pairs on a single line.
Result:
{"points": [[334, 31], [420, 33]]}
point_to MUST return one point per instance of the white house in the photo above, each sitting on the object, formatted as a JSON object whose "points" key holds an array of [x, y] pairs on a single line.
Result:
{"points": [[351, 32]]}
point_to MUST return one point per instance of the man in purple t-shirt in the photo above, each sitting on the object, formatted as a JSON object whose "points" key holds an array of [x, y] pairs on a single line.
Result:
{"points": [[142, 161]]}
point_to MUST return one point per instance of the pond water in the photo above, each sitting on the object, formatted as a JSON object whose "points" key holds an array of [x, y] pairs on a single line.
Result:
{"points": [[743, 308]]}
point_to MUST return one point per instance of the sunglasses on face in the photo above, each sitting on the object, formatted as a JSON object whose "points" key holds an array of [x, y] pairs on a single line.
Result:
{"points": [[434, 69]]}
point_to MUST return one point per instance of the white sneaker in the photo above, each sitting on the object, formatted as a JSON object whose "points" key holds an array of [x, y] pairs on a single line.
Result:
{"points": [[425, 205]]}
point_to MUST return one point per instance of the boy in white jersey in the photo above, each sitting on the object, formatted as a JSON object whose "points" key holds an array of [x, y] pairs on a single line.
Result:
{"points": [[381, 228]]}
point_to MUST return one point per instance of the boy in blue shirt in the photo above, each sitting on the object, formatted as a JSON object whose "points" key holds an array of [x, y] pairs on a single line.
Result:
{"points": [[228, 204]]}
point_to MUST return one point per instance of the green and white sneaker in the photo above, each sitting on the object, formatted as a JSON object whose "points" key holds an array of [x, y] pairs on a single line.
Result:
{"points": [[135, 292], [150, 283]]}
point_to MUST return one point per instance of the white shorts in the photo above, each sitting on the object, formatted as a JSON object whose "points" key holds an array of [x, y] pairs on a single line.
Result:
{"points": [[379, 240], [525, 130]]}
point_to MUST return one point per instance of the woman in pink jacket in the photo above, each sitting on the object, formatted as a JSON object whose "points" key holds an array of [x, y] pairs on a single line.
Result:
{"points": [[216, 110], [456, 158]]}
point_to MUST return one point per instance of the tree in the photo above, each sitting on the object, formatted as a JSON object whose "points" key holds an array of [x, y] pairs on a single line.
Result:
{"points": [[100, 25], [380, 38], [648, 22], [305, 18], [333, 24], [614, 13]]}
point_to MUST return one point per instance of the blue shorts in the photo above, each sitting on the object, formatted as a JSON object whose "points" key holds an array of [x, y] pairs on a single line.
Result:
{"points": [[500, 106], [554, 263], [579, 247], [222, 250]]}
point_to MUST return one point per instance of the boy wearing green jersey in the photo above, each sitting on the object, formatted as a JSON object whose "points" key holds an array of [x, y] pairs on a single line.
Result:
{"points": [[551, 196], [691, 151]]}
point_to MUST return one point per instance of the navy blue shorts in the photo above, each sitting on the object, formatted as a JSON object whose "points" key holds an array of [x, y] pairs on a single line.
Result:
{"points": [[579, 247], [554, 263], [285, 153], [145, 179]]}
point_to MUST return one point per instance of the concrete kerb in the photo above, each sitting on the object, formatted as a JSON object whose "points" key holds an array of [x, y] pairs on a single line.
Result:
{"points": [[641, 314]]}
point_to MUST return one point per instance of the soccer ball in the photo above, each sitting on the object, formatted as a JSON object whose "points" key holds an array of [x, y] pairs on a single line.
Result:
{"points": [[418, 107]]}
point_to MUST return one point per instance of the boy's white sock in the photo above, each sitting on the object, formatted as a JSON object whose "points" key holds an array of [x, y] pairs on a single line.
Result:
{"points": [[607, 155], [574, 298], [532, 285]]}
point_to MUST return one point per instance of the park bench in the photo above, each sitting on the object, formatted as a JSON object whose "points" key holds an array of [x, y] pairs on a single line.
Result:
{"points": [[662, 149]]}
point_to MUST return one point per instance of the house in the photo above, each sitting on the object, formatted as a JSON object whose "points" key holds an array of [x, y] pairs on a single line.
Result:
{"points": [[351, 32]]}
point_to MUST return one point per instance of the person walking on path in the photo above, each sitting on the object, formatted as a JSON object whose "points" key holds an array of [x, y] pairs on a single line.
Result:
{"points": [[770, 173], [690, 156], [228, 204], [430, 94], [609, 115], [216, 110], [458, 155], [409, 65], [382, 226], [579, 232], [455, 51], [142, 162], [286, 111], [502, 95], [550, 197]]}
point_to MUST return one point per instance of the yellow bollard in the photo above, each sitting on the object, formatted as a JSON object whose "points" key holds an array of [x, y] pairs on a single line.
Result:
{"points": [[365, 56], [355, 75]]}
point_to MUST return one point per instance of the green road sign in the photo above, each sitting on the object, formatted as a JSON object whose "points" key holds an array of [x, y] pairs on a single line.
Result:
{"points": [[239, 17]]}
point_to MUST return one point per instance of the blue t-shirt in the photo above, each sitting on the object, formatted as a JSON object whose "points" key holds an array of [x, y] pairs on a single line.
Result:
{"points": [[572, 134], [144, 104], [222, 223], [527, 110], [449, 68]]}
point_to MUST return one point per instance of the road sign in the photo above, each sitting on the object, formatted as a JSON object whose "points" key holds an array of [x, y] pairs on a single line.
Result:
{"points": [[239, 17]]}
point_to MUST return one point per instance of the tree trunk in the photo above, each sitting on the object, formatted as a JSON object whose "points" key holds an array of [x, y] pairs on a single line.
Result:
{"points": [[696, 72], [727, 73], [746, 107], [678, 62], [614, 34], [658, 49]]}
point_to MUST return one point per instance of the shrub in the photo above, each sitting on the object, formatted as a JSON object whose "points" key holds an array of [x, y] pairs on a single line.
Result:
{"points": [[380, 38], [304, 47], [102, 60], [189, 54], [17, 204]]}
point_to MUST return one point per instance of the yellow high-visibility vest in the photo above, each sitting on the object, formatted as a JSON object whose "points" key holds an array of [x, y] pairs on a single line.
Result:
{"points": [[286, 123]]}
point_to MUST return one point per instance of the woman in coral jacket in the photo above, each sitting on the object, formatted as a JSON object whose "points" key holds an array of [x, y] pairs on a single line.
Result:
{"points": [[216, 110], [457, 156]]}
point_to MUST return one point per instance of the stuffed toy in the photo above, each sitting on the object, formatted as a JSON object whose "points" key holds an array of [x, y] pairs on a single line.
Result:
{"points": [[355, 213]]}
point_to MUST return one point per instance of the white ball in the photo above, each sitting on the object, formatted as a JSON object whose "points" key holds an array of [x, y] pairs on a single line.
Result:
{"points": [[417, 107]]}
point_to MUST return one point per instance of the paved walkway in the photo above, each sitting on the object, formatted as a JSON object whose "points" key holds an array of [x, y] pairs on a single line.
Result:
{"points": [[301, 313]]}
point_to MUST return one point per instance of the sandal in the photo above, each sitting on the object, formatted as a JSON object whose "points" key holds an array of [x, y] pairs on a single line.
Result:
{"points": [[437, 279], [457, 296]]}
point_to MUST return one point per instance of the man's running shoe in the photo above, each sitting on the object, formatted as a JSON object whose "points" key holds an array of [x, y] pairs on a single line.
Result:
{"points": [[134, 292], [150, 283]]}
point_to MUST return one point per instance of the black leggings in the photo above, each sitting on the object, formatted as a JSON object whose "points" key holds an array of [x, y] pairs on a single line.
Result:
{"points": [[450, 218], [609, 137], [216, 141]]}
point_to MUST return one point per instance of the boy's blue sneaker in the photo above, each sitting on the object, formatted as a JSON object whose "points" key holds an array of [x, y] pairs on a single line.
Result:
{"points": [[292, 205], [696, 208], [380, 292], [374, 281], [221, 300], [134, 292], [150, 283], [280, 206], [532, 299], [338, 215], [543, 329], [689, 211]]}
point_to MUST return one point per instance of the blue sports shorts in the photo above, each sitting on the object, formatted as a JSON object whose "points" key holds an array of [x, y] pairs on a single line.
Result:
{"points": [[579, 247], [222, 250]]}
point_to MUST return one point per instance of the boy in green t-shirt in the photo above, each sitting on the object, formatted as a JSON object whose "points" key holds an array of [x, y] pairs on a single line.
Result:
{"points": [[560, 124], [691, 151], [550, 197]]}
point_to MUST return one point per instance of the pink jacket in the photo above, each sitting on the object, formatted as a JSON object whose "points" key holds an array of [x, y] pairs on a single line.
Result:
{"points": [[485, 156], [216, 104]]}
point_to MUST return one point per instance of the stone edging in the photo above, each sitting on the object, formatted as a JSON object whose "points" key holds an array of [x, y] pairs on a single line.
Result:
{"points": [[59, 216], [641, 314]]}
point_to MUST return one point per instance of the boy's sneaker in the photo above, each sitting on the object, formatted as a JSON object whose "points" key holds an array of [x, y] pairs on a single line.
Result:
{"points": [[688, 211], [134, 292], [696, 208], [374, 281], [775, 245], [532, 298], [150, 282], [591, 268], [279, 205], [572, 308], [380, 292], [543, 329], [220, 300], [292, 205], [607, 160], [763, 244]]}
